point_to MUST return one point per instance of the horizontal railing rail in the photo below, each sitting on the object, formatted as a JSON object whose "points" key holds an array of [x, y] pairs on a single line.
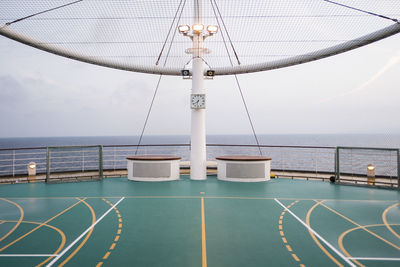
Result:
{"points": [[316, 161]]}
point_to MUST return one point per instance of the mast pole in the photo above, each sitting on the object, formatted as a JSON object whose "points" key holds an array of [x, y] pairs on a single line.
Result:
{"points": [[198, 163]]}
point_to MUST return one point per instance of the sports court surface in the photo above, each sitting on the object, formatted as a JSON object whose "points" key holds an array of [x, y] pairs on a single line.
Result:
{"points": [[116, 222]]}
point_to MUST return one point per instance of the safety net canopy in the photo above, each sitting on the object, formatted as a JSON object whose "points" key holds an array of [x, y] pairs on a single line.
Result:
{"points": [[143, 36]]}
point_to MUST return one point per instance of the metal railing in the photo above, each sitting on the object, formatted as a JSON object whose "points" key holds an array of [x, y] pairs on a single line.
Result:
{"points": [[14, 162], [289, 161]]}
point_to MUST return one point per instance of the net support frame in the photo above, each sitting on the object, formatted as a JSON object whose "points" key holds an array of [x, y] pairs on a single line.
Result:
{"points": [[337, 161], [48, 158], [228, 70]]}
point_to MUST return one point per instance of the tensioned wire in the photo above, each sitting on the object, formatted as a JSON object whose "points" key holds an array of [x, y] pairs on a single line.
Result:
{"points": [[165, 62], [218, 18]]}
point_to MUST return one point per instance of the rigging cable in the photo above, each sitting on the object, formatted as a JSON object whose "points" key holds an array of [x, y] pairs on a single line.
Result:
{"points": [[226, 30], [169, 32], [45, 11], [159, 79], [363, 11], [237, 80]]}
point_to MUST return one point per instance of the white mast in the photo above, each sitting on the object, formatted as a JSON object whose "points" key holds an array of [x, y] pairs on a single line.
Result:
{"points": [[198, 162]]}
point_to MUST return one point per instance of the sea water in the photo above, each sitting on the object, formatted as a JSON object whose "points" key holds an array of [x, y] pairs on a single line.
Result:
{"points": [[311, 153]]}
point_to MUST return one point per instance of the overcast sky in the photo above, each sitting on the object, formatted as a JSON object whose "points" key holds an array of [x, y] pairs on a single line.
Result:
{"points": [[46, 95]]}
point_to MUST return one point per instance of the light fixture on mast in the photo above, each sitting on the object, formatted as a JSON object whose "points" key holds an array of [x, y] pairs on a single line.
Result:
{"points": [[212, 29], [183, 28], [197, 29]]}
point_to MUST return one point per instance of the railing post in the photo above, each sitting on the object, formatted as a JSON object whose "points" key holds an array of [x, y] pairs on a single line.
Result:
{"points": [[13, 164], [398, 169], [101, 162], [114, 157], [47, 164], [83, 160], [316, 163], [337, 164]]}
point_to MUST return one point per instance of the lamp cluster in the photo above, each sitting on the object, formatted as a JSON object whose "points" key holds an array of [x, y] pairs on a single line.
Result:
{"points": [[197, 29]]}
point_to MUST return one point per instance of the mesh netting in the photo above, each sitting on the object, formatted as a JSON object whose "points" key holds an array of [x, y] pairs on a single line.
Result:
{"points": [[129, 34]]}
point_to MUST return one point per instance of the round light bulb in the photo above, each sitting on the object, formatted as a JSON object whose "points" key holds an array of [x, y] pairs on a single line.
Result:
{"points": [[371, 167], [32, 165], [212, 28], [198, 28], [183, 28]]}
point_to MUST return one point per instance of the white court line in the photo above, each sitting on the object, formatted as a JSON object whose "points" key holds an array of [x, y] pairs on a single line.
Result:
{"points": [[82, 235], [374, 259], [28, 255], [317, 235]]}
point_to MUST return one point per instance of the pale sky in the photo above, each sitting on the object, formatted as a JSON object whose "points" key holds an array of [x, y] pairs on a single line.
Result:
{"points": [[46, 95]]}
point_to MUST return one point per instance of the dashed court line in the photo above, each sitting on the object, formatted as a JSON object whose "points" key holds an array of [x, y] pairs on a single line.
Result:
{"points": [[281, 232], [317, 235], [83, 234], [117, 236]]}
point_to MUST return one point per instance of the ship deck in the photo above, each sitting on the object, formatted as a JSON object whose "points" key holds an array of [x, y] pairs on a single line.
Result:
{"points": [[116, 222]]}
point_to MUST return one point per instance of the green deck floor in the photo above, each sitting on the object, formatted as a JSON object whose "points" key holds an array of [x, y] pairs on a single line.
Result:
{"points": [[160, 224]]}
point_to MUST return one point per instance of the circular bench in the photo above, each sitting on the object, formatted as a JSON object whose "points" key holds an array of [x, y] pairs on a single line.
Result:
{"points": [[244, 168], [153, 168]]}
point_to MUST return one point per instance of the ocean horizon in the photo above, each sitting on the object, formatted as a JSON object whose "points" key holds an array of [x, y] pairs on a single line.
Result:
{"points": [[356, 140]]}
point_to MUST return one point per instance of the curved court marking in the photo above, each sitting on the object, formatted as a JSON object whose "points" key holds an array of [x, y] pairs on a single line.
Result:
{"points": [[340, 240], [34, 229], [62, 244], [315, 233], [112, 247], [84, 240], [315, 239], [21, 217], [84, 233], [384, 218], [362, 227], [282, 233]]}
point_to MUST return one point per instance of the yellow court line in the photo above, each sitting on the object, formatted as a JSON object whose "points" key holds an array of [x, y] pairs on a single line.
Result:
{"points": [[295, 257], [341, 237], [106, 255], [21, 217], [211, 197], [384, 215], [203, 235], [316, 240], [84, 240], [112, 247], [288, 247], [34, 229], [362, 227], [63, 239]]}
